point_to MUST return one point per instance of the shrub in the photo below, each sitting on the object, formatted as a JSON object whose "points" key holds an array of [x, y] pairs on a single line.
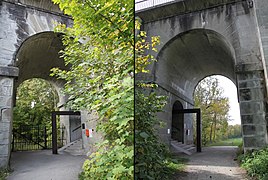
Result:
{"points": [[256, 163]]}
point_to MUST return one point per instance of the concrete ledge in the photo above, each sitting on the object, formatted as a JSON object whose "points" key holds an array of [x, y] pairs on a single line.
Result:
{"points": [[179, 7], [9, 71]]}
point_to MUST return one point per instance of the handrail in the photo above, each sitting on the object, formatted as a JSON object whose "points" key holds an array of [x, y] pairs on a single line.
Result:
{"points": [[76, 128]]}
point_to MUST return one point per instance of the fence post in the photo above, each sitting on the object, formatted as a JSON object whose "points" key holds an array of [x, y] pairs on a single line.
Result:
{"points": [[54, 134], [38, 135], [13, 140], [62, 134]]}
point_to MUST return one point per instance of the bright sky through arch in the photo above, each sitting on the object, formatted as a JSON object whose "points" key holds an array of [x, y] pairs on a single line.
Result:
{"points": [[230, 91]]}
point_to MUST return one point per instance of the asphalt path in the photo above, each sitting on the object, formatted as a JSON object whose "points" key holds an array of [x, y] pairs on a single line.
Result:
{"points": [[213, 163], [43, 165]]}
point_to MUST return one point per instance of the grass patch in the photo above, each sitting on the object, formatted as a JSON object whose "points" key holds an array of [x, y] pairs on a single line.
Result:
{"points": [[176, 165], [227, 142]]}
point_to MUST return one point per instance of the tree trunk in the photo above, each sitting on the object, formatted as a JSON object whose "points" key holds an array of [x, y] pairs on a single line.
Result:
{"points": [[215, 125]]}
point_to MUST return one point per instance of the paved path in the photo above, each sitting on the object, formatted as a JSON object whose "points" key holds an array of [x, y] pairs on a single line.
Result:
{"points": [[213, 163], [43, 165]]}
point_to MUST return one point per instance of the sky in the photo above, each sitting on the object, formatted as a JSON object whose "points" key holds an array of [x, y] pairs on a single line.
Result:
{"points": [[230, 91]]}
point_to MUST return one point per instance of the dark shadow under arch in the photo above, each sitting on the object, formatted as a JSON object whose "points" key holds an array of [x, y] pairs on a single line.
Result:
{"points": [[177, 125]]}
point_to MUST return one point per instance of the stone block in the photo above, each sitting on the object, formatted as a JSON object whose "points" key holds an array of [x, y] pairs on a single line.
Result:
{"points": [[251, 107], [248, 94], [257, 75], [9, 71], [245, 94], [4, 126], [252, 119], [5, 101], [6, 87], [249, 129], [247, 119], [254, 142], [3, 161], [4, 137], [6, 114], [250, 84], [4, 149]]}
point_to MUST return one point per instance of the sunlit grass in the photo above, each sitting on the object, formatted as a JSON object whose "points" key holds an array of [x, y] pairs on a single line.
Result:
{"points": [[227, 142]]}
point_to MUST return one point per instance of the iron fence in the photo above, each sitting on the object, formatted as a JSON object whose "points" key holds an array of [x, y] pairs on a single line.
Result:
{"points": [[36, 137]]}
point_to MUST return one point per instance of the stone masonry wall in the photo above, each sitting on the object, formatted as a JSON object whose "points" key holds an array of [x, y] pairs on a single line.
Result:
{"points": [[6, 98]]}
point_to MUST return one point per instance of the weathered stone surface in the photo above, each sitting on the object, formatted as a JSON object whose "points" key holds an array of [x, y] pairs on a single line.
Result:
{"points": [[254, 76], [6, 113], [247, 107], [252, 118], [3, 161], [253, 129], [251, 94], [5, 126], [9, 71], [5, 101], [4, 149], [250, 84], [254, 142], [6, 86]]}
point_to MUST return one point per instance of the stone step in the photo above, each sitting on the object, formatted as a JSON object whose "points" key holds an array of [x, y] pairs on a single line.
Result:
{"points": [[74, 148], [184, 148]]}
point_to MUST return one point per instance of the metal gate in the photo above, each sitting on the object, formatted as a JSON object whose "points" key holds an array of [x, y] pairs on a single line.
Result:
{"points": [[29, 137]]}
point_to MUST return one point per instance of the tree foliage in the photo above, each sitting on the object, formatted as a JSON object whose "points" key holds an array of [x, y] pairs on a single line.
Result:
{"points": [[100, 48], [214, 107], [151, 155], [35, 100]]}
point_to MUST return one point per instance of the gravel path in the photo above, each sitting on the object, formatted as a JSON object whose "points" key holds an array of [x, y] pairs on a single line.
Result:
{"points": [[43, 165], [215, 163]]}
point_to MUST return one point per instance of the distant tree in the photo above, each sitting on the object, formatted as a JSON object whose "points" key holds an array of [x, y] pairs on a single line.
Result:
{"points": [[234, 131], [35, 100], [214, 108]]}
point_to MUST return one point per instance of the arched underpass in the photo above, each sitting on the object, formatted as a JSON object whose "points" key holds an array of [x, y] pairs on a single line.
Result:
{"points": [[188, 58], [35, 58], [182, 63]]}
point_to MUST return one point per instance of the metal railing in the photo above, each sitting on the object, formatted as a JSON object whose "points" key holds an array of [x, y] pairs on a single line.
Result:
{"points": [[144, 4]]}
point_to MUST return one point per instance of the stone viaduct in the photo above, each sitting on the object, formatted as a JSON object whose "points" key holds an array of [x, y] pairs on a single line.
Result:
{"points": [[29, 49], [200, 38]]}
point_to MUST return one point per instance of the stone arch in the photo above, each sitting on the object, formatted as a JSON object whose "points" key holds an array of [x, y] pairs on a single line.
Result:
{"points": [[184, 61], [191, 56], [38, 54], [35, 58]]}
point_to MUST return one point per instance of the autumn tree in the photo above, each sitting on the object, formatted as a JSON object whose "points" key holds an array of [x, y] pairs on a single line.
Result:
{"points": [[100, 49], [214, 107]]}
